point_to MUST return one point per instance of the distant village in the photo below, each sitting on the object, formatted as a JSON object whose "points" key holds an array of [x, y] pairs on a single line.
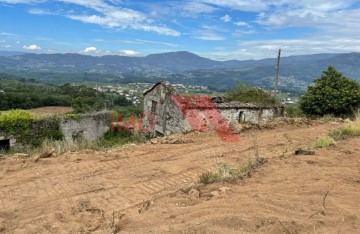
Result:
{"points": [[133, 92]]}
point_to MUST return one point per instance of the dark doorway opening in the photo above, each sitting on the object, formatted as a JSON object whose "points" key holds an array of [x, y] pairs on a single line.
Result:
{"points": [[5, 144], [153, 107], [241, 117]]}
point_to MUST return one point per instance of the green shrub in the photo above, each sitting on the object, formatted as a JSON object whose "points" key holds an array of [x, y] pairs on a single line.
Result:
{"points": [[293, 111], [28, 129], [15, 121], [42, 129], [73, 116], [247, 94], [345, 132], [332, 93], [324, 142]]}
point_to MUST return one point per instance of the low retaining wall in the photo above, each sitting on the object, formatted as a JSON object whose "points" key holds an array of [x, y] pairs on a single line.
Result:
{"points": [[87, 126]]}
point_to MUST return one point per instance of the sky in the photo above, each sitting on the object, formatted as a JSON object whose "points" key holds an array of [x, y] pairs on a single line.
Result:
{"points": [[216, 29]]}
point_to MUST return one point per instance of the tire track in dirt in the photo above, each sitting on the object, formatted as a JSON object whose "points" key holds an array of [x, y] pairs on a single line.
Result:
{"points": [[124, 178]]}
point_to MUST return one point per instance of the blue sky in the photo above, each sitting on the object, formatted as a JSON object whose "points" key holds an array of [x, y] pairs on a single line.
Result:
{"points": [[217, 29]]}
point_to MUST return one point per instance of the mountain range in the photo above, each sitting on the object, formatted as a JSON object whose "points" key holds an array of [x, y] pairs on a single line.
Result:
{"points": [[296, 72]]}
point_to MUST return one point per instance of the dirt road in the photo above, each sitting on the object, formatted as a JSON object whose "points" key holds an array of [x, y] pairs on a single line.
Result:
{"points": [[138, 188]]}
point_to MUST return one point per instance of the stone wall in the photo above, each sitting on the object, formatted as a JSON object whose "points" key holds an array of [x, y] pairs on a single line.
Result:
{"points": [[248, 115], [89, 126], [168, 118]]}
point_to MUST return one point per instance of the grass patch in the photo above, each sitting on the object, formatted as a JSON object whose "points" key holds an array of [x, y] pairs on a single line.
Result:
{"points": [[350, 130], [345, 132], [324, 142], [63, 146], [227, 173]]}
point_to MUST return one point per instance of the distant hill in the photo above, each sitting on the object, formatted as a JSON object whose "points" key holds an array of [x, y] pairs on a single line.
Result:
{"points": [[297, 72], [10, 53]]}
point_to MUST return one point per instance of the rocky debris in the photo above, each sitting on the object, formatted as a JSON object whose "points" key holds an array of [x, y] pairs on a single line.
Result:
{"points": [[194, 193], [171, 140], [175, 140], [145, 206], [36, 158], [300, 151], [224, 190], [21, 155], [215, 193], [48, 152], [220, 191]]}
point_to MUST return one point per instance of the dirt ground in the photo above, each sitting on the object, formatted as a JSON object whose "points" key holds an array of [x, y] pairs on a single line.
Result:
{"points": [[49, 110], [144, 188]]}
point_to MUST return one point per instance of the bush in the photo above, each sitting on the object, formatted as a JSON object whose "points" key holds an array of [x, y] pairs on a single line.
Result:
{"points": [[332, 93], [345, 132], [15, 121], [247, 94], [226, 173], [29, 130], [324, 142], [293, 111]]}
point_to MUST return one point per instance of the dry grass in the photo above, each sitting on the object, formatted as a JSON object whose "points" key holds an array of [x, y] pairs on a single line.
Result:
{"points": [[324, 142], [227, 173], [350, 130], [64, 146]]}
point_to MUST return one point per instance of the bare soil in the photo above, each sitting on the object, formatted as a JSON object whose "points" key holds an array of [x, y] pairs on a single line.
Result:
{"points": [[144, 188], [49, 110]]}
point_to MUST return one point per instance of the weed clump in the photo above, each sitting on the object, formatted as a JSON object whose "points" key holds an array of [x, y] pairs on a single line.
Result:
{"points": [[350, 130], [227, 173], [324, 142]]}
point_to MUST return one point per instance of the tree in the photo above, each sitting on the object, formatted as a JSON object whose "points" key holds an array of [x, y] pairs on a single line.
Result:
{"points": [[332, 94], [247, 94]]}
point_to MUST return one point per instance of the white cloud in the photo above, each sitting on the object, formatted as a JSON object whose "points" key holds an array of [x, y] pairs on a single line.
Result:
{"points": [[259, 49], [117, 17], [107, 15], [128, 52], [91, 49], [7, 34], [240, 33], [241, 23], [21, 1], [242, 5], [157, 42], [226, 18], [209, 36], [37, 11], [32, 47], [195, 8]]}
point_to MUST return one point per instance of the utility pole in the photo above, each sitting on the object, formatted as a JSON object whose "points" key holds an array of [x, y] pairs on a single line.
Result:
{"points": [[277, 73]]}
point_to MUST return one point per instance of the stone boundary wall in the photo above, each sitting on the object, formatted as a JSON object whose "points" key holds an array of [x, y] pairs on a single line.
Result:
{"points": [[88, 126]]}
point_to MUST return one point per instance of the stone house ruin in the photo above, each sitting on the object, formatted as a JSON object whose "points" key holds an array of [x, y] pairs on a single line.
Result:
{"points": [[170, 112]]}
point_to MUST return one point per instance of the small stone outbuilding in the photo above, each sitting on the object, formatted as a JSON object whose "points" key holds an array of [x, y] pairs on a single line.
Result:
{"points": [[175, 113]]}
